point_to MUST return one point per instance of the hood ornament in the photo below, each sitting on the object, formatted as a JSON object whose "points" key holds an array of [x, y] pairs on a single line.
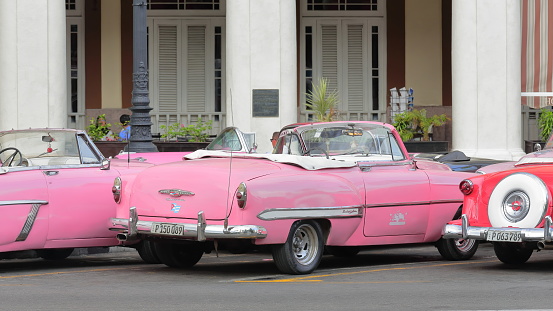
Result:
{"points": [[176, 192]]}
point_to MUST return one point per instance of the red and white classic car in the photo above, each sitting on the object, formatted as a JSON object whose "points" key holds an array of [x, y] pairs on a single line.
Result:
{"points": [[56, 191], [339, 185], [512, 208]]}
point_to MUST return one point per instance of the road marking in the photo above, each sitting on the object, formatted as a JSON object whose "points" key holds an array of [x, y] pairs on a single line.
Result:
{"points": [[313, 278], [57, 273]]}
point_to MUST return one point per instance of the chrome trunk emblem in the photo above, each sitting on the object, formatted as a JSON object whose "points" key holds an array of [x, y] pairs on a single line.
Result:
{"points": [[176, 192]]}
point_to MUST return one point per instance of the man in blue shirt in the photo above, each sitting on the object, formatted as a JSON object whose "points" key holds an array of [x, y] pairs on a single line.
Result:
{"points": [[125, 120]]}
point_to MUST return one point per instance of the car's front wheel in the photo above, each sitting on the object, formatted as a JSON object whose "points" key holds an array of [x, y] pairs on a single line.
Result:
{"points": [[179, 255], [55, 253], [512, 253], [303, 250], [457, 249]]}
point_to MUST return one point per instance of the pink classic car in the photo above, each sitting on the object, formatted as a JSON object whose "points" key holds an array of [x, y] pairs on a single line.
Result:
{"points": [[512, 208], [56, 192], [335, 185]]}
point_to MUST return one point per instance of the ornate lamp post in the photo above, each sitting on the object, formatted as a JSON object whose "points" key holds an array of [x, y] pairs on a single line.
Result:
{"points": [[141, 122]]}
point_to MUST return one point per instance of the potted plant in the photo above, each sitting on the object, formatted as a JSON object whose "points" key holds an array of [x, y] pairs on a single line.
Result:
{"points": [[180, 137], [322, 102], [98, 129], [545, 126], [190, 133], [416, 123]]}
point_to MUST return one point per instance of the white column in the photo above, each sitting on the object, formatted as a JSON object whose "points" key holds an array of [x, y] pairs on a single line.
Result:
{"points": [[261, 54], [486, 42], [33, 91]]}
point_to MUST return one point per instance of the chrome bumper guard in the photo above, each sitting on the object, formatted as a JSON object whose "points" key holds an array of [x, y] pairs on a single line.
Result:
{"points": [[130, 229], [464, 231]]}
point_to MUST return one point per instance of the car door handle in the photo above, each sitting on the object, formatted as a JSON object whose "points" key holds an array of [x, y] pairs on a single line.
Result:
{"points": [[51, 173]]}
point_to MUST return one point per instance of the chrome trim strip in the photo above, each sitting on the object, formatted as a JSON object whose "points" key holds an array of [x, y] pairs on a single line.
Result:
{"points": [[311, 212], [464, 231], [22, 202], [31, 217], [414, 203], [368, 164]]}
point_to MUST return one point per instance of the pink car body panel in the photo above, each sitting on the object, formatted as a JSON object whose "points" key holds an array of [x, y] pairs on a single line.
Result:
{"points": [[57, 201], [374, 201]]}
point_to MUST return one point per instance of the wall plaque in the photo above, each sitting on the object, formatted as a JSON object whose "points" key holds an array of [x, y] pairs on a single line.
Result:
{"points": [[265, 103]]}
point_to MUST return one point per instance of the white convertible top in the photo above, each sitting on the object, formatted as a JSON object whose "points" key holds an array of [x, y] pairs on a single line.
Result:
{"points": [[308, 163]]}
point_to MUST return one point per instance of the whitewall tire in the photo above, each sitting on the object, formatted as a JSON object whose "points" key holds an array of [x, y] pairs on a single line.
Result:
{"points": [[519, 200]]}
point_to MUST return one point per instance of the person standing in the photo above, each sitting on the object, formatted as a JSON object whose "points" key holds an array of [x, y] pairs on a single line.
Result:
{"points": [[125, 133]]}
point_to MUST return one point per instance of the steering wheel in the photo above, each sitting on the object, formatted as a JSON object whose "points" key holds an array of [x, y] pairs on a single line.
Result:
{"points": [[308, 152], [10, 158]]}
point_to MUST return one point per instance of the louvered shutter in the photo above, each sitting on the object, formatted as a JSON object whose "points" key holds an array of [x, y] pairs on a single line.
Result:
{"points": [[355, 67], [329, 40], [167, 69], [196, 71]]}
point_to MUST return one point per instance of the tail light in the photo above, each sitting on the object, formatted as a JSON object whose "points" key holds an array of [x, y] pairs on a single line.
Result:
{"points": [[466, 187], [242, 195], [116, 189]]}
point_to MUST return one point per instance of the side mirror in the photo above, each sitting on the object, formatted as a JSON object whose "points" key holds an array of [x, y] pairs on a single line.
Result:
{"points": [[105, 164]]}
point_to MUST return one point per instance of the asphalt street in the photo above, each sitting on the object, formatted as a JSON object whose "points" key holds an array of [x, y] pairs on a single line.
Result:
{"points": [[406, 278]]}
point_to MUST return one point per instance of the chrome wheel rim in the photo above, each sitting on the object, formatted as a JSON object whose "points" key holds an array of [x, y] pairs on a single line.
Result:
{"points": [[305, 244], [464, 245]]}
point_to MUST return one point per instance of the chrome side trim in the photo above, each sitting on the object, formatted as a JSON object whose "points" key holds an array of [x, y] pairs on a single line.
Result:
{"points": [[414, 203], [23, 202], [311, 212], [31, 217]]}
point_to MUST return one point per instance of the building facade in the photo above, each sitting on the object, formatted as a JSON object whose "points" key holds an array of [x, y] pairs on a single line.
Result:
{"points": [[249, 63]]}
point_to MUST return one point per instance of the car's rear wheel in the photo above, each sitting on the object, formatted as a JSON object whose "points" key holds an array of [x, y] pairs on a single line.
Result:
{"points": [[457, 249], [303, 250], [512, 253], [55, 253], [343, 251], [179, 255], [147, 252]]}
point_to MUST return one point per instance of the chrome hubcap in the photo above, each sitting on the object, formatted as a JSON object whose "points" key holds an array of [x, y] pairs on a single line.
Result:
{"points": [[304, 245]]}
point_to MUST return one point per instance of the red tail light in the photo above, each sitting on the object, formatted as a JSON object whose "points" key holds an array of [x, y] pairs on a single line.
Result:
{"points": [[242, 195], [466, 187], [116, 189]]}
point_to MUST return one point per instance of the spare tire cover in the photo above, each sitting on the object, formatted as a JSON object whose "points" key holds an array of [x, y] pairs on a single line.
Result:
{"points": [[519, 200]]}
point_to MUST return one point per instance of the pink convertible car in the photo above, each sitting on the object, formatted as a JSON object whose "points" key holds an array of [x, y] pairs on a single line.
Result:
{"points": [[338, 186], [56, 191]]}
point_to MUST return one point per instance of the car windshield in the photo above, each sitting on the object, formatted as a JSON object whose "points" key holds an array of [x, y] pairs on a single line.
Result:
{"points": [[232, 139], [373, 141], [38, 148], [226, 140]]}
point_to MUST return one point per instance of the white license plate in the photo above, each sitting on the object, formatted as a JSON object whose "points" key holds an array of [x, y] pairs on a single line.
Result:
{"points": [[169, 229], [504, 236]]}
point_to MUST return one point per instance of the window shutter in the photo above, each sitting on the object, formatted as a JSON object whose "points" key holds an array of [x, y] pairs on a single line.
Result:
{"points": [[196, 71], [355, 67], [167, 71], [329, 40]]}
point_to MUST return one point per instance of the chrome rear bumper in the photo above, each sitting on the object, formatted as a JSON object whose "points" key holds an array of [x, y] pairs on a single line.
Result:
{"points": [[130, 229], [464, 231]]}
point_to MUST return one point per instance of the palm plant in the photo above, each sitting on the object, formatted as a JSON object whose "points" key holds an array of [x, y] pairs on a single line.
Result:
{"points": [[322, 102]]}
